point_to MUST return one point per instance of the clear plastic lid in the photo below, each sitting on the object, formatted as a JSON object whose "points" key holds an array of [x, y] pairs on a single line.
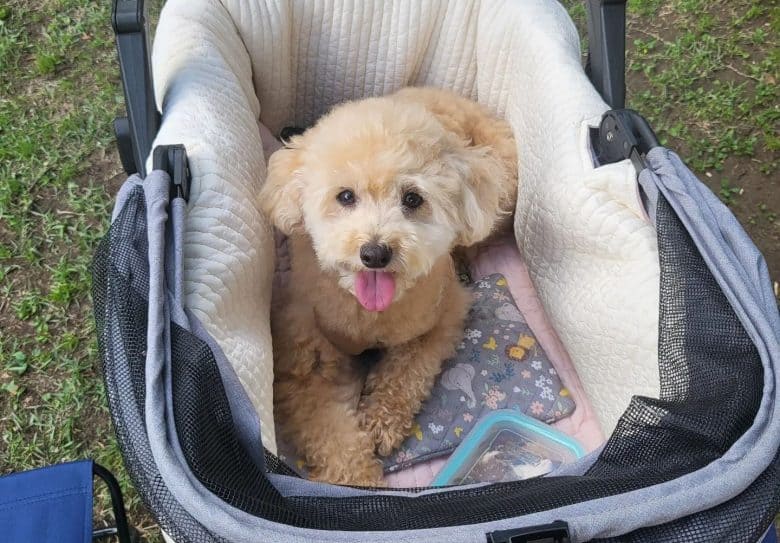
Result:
{"points": [[508, 446]]}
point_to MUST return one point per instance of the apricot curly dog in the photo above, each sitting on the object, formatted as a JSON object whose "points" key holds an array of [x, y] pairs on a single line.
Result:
{"points": [[374, 198]]}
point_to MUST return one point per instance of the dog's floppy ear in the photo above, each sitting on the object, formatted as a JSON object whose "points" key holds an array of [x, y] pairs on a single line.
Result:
{"points": [[485, 195], [280, 197]]}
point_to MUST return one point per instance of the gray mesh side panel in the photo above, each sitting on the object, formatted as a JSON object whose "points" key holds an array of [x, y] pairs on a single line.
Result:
{"points": [[120, 279]]}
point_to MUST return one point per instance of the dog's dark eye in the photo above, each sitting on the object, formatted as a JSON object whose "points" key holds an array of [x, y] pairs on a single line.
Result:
{"points": [[346, 198], [412, 200]]}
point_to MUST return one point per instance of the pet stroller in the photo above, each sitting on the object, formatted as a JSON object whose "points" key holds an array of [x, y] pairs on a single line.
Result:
{"points": [[644, 273]]}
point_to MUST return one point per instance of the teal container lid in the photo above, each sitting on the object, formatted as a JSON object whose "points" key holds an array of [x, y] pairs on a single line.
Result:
{"points": [[478, 440]]}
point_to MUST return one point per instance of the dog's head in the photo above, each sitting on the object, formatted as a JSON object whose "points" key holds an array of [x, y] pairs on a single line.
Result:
{"points": [[384, 191]]}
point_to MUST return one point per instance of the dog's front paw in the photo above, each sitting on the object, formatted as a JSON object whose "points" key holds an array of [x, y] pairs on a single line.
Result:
{"points": [[387, 431]]}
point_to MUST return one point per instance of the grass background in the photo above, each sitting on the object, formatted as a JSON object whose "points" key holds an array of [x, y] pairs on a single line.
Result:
{"points": [[704, 72]]}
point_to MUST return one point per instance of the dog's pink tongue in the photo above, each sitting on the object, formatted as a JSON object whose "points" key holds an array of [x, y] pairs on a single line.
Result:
{"points": [[375, 289]]}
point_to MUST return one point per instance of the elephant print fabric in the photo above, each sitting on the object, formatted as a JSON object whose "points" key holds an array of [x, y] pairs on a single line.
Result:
{"points": [[498, 365]]}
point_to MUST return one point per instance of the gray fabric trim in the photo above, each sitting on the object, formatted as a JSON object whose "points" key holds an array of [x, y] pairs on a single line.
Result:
{"points": [[124, 406], [739, 270], [172, 310], [648, 193], [187, 490], [124, 193], [174, 257]]}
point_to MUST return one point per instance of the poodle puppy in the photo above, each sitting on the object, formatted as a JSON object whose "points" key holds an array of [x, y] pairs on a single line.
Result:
{"points": [[374, 199]]}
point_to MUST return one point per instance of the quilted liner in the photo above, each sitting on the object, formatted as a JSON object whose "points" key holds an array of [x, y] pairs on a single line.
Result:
{"points": [[592, 254]]}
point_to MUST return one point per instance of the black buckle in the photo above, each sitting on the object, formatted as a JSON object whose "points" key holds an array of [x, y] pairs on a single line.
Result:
{"points": [[173, 160], [623, 134], [557, 532]]}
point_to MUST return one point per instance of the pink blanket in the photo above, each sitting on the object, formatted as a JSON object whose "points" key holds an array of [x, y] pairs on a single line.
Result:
{"points": [[502, 256]]}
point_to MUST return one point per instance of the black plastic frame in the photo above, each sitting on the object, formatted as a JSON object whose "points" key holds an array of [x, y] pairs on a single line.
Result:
{"points": [[623, 134], [606, 66], [136, 132], [121, 530], [557, 532]]}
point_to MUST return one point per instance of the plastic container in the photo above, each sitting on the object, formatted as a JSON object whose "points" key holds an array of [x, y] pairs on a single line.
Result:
{"points": [[508, 446]]}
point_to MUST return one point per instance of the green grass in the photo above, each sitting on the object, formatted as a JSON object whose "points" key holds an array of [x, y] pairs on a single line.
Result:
{"points": [[717, 117], [705, 73], [58, 95]]}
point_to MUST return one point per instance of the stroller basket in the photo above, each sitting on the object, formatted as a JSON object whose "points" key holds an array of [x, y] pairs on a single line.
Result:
{"points": [[701, 462]]}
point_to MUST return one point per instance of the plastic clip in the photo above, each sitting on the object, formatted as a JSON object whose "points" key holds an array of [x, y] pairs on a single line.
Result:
{"points": [[623, 134], [557, 532], [173, 160]]}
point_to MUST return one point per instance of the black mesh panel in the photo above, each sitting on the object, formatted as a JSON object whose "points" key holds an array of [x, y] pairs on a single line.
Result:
{"points": [[711, 374], [742, 520], [205, 429], [715, 354]]}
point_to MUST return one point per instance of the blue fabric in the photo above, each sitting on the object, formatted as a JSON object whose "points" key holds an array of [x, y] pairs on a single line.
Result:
{"points": [[52, 504], [771, 536]]}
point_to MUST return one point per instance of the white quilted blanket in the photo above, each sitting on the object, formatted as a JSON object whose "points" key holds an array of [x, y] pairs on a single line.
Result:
{"points": [[220, 66]]}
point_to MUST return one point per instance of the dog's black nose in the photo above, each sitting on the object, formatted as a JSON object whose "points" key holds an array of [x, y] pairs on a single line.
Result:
{"points": [[375, 255]]}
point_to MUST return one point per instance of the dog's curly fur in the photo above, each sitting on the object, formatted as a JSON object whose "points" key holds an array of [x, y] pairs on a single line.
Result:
{"points": [[462, 161]]}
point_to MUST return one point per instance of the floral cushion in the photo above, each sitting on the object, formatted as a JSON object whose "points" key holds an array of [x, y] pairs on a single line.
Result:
{"points": [[498, 365]]}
